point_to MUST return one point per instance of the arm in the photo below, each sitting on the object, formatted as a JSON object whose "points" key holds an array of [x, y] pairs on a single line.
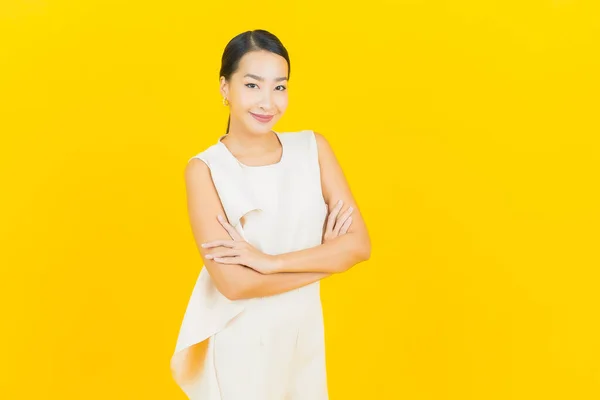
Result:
{"points": [[343, 252], [234, 281], [337, 255], [259, 285]]}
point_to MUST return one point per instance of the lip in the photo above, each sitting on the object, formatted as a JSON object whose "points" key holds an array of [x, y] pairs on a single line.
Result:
{"points": [[261, 118]]}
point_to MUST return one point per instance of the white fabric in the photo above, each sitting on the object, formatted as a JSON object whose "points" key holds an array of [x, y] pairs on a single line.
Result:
{"points": [[267, 348]]}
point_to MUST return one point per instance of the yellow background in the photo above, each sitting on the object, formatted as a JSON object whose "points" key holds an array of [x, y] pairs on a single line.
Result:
{"points": [[468, 131]]}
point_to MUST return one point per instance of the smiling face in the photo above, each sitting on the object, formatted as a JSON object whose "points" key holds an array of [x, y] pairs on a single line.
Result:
{"points": [[259, 87]]}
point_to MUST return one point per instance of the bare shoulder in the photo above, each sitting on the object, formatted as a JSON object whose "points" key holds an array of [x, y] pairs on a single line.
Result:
{"points": [[323, 145], [326, 153], [327, 157], [196, 168]]}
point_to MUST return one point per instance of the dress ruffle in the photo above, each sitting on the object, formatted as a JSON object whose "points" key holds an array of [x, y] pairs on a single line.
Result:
{"points": [[208, 310]]}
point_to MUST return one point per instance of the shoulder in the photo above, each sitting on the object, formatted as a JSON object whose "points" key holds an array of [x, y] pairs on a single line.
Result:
{"points": [[321, 140], [311, 141], [207, 156], [197, 172], [198, 167], [324, 148], [306, 138]]}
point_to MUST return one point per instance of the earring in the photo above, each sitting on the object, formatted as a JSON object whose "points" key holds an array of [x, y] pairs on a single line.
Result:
{"points": [[225, 101]]}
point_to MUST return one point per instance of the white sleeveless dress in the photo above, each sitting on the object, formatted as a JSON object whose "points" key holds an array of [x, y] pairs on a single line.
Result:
{"points": [[267, 348]]}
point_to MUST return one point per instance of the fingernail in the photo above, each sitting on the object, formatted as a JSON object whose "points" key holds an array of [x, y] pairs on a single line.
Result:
{"points": [[219, 217], [203, 245], [209, 256], [340, 202], [351, 209]]}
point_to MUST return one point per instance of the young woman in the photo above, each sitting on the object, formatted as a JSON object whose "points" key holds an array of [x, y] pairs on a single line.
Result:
{"points": [[272, 215]]}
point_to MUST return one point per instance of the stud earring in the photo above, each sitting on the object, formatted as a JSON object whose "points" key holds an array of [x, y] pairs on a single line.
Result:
{"points": [[225, 101]]}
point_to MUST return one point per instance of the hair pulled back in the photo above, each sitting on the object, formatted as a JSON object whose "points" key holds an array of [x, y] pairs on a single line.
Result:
{"points": [[246, 42]]}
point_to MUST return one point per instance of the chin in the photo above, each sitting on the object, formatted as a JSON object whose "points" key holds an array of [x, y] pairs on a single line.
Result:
{"points": [[260, 128]]}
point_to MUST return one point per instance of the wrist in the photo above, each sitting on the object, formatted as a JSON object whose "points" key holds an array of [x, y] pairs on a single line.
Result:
{"points": [[277, 264]]}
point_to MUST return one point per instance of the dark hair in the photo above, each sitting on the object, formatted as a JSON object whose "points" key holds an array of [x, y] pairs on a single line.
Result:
{"points": [[246, 42]]}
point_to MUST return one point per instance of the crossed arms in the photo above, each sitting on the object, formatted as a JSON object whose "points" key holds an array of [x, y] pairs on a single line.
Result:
{"points": [[298, 268]]}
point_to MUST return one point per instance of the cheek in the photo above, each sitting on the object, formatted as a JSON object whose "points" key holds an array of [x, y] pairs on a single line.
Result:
{"points": [[244, 101], [282, 103]]}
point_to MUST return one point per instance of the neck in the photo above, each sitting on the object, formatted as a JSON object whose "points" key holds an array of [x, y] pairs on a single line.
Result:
{"points": [[240, 140]]}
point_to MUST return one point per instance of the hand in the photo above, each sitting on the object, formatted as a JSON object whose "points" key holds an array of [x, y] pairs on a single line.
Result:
{"points": [[337, 224], [239, 251]]}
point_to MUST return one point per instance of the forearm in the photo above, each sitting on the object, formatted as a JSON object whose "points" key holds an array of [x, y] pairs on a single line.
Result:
{"points": [[291, 270], [268, 285], [334, 256], [246, 283], [236, 281]]}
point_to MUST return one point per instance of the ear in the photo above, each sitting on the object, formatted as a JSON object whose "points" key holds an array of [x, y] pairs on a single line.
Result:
{"points": [[224, 87]]}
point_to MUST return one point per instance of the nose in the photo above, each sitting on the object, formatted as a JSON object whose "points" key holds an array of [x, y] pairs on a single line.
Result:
{"points": [[266, 100]]}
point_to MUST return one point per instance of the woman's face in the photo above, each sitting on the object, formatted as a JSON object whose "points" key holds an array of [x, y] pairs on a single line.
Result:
{"points": [[259, 86]]}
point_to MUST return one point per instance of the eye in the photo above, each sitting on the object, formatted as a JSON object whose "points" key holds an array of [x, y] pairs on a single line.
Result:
{"points": [[250, 84], [281, 86]]}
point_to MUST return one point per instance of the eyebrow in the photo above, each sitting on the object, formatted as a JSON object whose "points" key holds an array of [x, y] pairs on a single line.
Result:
{"points": [[260, 78]]}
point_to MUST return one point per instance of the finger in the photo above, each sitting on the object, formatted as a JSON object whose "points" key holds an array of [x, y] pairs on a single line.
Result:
{"points": [[228, 260], [224, 253], [343, 217], [229, 228], [217, 243], [333, 216], [345, 226]]}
